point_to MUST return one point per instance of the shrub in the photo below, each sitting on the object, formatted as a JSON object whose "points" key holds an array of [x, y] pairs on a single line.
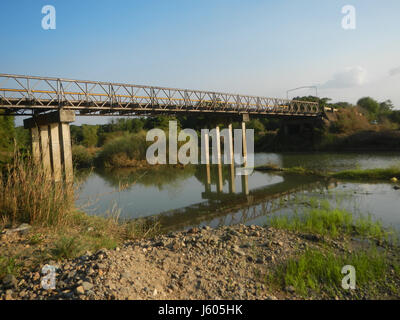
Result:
{"points": [[81, 156], [124, 151]]}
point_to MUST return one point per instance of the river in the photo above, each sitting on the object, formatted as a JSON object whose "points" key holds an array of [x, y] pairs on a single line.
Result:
{"points": [[181, 198]]}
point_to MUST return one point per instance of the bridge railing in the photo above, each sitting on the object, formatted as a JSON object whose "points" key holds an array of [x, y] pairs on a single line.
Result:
{"points": [[28, 92]]}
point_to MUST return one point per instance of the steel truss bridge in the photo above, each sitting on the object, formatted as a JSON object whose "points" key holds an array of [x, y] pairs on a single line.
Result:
{"points": [[30, 95]]}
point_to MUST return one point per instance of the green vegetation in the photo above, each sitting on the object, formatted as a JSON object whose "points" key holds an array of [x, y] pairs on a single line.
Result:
{"points": [[356, 174], [368, 125], [315, 271], [82, 157], [124, 151], [324, 220], [67, 247], [8, 265], [368, 174]]}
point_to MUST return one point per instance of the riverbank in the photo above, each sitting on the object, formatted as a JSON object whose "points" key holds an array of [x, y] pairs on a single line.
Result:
{"points": [[235, 262], [323, 141], [387, 174], [296, 255]]}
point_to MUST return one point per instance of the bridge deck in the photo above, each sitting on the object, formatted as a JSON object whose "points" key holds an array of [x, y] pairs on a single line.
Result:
{"points": [[22, 95]]}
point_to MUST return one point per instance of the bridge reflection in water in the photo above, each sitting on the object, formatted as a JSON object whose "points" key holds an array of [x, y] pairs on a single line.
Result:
{"points": [[227, 207]]}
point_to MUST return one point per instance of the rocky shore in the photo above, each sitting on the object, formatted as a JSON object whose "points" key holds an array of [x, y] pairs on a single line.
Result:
{"points": [[223, 263]]}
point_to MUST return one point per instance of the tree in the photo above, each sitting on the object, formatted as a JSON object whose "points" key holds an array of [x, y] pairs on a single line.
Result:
{"points": [[341, 105], [386, 107], [395, 116], [322, 102], [257, 125], [89, 133], [370, 105]]}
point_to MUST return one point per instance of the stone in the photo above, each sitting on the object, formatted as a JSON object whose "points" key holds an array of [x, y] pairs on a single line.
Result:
{"points": [[79, 290], [101, 266], [8, 295], [22, 228], [87, 285]]}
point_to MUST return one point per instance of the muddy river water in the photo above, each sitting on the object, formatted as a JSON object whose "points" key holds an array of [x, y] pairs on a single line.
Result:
{"points": [[182, 198]]}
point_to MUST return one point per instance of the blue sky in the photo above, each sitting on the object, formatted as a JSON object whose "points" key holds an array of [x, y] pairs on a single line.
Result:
{"points": [[250, 47]]}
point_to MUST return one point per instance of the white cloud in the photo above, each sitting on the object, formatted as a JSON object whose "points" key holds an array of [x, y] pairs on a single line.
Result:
{"points": [[394, 71], [350, 77]]}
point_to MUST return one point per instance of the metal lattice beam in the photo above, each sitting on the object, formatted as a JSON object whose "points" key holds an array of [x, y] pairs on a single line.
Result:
{"points": [[25, 95]]}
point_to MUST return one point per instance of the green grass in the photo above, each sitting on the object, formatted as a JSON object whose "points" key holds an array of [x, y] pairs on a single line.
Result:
{"points": [[67, 247], [315, 271], [35, 239], [8, 265], [369, 174], [324, 220]]}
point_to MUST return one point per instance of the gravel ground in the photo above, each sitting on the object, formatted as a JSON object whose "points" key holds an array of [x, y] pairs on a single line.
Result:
{"points": [[205, 263]]}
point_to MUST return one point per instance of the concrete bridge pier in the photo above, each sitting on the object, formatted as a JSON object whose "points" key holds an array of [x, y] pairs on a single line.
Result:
{"points": [[228, 158], [232, 186], [51, 143]]}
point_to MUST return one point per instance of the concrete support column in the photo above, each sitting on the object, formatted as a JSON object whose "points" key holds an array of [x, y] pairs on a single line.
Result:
{"points": [[219, 162], [35, 144], [206, 147], [245, 184], [230, 144], [244, 142], [220, 184], [218, 144], [232, 187], [66, 151], [54, 149], [45, 149]]}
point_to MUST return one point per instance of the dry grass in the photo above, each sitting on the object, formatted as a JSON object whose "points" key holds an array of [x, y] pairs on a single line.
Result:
{"points": [[58, 230], [28, 195]]}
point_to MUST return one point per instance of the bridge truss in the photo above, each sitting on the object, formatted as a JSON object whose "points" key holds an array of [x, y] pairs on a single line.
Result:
{"points": [[28, 95]]}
